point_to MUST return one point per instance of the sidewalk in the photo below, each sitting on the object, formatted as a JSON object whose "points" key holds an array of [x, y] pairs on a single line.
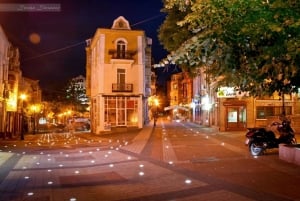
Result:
{"points": [[108, 170]]}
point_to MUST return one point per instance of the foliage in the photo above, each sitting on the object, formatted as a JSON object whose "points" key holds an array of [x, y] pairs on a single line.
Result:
{"points": [[61, 99], [76, 96], [252, 45], [174, 38]]}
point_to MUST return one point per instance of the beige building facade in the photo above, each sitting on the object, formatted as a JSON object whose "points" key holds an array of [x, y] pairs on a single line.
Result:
{"points": [[12, 85], [4, 63], [118, 76]]}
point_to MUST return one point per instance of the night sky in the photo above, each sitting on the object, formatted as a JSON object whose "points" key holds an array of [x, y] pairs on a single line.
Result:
{"points": [[52, 44]]}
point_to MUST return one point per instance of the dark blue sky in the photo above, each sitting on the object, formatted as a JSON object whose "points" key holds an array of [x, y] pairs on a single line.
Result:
{"points": [[60, 53]]}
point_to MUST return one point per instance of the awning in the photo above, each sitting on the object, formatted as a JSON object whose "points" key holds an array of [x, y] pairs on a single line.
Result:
{"points": [[172, 107]]}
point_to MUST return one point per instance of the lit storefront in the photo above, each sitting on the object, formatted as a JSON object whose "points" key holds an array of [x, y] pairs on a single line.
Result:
{"points": [[238, 111], [121, 111]]}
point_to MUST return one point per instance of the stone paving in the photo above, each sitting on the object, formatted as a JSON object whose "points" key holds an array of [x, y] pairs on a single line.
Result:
{"points": [[106, 170]]}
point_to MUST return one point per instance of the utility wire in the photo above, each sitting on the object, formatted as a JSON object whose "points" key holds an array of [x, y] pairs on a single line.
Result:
{"points": [[55, 51], [82, 42], [147, 20]]}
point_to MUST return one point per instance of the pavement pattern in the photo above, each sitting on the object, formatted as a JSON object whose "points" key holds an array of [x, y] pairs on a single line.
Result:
{"points": [[93, 168]]}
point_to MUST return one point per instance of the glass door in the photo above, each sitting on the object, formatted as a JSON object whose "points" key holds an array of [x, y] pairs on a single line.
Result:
{"points": [[236, 118], [121, 115]]}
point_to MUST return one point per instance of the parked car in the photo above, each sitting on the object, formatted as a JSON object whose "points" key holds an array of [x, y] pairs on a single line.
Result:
{"points": [[51, 127], [81, 126], [60, 127]]}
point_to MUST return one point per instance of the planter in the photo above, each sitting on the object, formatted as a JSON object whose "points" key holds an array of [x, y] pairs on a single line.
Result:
{"points": [[290, 153]]}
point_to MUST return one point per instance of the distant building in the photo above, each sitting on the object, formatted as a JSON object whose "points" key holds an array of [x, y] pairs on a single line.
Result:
{"points": [[32, 106], [118, 76], [32, 89], [180, 94], [13, 108], [12, 85], [4, 62]]}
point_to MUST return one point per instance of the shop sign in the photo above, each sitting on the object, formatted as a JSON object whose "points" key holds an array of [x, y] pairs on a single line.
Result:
{"points": [[226, 92]]}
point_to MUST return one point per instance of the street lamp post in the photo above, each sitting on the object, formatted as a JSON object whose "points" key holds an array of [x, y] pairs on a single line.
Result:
{"points": [[34, 108], [34, 120], [22, 98], [156, 103]]}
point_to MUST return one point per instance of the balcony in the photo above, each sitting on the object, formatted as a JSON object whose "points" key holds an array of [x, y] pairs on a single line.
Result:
{"points": [[122, 54], [122, 87]]}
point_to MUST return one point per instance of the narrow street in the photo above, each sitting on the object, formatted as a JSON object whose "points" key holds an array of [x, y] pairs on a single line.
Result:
{"points": [[171, 161]]}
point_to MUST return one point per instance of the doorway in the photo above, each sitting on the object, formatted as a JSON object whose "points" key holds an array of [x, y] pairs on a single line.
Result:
{"points": [[236, 118], [120, 112]]}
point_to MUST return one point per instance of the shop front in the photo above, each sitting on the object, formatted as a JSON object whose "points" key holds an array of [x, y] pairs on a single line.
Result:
{"points": [[235, 115], [234, 109], [116, 112]]}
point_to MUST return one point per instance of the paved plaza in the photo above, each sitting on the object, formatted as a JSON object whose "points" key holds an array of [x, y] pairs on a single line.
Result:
{"points": [[84, 167]]}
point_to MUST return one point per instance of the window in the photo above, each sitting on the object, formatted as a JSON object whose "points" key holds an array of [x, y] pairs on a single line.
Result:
{"points": [[110, 110], [262, 112], [121, 76], [121, 24], [120, 111], [174, 86], [184, 90], [121, 79], [132, 111], [121, 49]]}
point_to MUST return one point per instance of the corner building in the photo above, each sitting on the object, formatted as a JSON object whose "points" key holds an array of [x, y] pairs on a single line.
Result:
{"points": [[118, 77]]}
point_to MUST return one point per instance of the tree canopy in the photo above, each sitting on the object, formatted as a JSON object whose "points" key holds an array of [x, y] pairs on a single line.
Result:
{"points": [[76, 96], [251, 45]]}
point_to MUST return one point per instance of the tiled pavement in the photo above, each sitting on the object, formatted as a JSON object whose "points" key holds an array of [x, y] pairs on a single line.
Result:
{"points": [[108, 171]]}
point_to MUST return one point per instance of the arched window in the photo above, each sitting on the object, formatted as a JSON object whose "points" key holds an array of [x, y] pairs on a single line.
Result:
{"points": [[121, 49]]}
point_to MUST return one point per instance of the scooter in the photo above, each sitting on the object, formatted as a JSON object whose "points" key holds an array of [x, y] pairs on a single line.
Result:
{"points": [[260, 139]]}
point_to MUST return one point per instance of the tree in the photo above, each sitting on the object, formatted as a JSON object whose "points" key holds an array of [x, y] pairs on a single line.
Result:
{"points": [[169, 38], [251, 45], [76, 96]]}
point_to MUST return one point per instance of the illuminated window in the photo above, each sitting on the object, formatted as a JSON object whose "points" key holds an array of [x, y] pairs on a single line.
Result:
{"points": [[263, 112]]}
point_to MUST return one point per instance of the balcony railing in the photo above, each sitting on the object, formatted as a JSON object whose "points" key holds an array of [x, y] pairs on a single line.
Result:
{"points": [[122, 54], [122, 87]]}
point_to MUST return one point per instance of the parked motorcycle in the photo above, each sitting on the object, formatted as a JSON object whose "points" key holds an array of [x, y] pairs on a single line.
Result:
{"points": [[260, 139]]}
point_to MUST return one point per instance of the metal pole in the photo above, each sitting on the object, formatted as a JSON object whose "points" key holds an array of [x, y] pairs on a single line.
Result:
{"points": [[155, 115], [283, 105], [22, 121], [34, 121]]}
